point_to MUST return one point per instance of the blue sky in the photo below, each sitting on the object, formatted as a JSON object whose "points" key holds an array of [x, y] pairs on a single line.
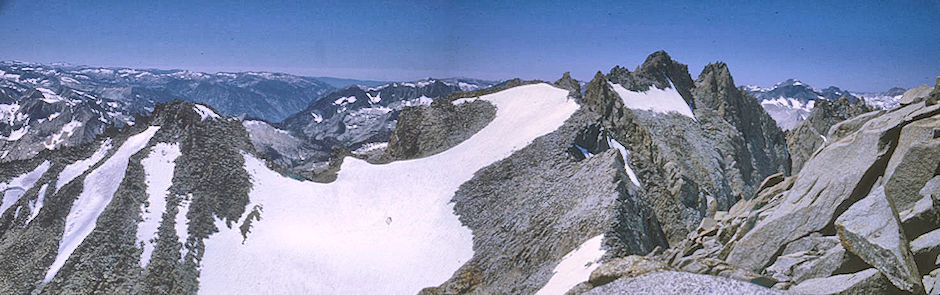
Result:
{"points": [[858, 45]]}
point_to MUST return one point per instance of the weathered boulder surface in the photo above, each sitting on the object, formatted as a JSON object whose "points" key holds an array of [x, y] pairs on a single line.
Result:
{"points": [[837, 176], [870, 228], [914, 95], [868, 281], [915, 161], [832, 228], [629, 266]]}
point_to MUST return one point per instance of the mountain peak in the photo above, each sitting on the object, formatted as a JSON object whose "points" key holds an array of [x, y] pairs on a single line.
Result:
{"points": [[791, 82]]}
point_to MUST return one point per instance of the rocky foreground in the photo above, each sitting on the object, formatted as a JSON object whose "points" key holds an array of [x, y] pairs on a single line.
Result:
{"points": [[860, 218]]}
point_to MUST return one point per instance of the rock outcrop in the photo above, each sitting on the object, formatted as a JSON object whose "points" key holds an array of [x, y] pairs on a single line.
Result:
{"points": [[813, 132], [425, 130]]}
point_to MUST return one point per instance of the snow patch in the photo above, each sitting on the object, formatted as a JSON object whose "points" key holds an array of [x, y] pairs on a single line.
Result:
{"points": [[15, 188], [371, 147], [362, 232], [16, 134], [36, 205], [575, 267], [626, 162], [158, 167], [205, 112], [57, 139], [423, 100], [8, 112], [345, 100], [375, 99], [50, 96], [181, 226], [317, 118], [99, 189], [655, 99]]}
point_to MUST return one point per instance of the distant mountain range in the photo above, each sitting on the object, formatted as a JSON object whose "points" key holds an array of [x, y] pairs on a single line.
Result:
{"points": [[791, 101], [48, 106]]}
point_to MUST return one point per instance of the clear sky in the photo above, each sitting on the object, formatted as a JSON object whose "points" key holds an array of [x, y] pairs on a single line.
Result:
{"points": [[858, 45]]}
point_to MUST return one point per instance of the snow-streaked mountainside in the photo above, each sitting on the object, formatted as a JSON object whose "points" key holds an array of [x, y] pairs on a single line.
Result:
{"points": [[791, 101]]}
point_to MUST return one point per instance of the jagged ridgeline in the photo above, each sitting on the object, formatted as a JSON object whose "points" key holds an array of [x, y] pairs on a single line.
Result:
{"points": [[640, 180]]}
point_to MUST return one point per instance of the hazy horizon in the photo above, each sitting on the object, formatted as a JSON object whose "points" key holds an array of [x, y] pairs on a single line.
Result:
{"points": [[865, 46]]}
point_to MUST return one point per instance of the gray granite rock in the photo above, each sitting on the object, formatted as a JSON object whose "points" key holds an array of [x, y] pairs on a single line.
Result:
{"points": [[821, 193], [915, 161], [868, 281], [672, 282], [870, 229], [923, 216], [926, 249], [810, 134], [914, 95], [630, 266]]}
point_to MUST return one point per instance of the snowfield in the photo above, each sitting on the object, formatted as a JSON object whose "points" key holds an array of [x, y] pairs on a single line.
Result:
{"points": [[99, 189], [655, 100], [377, 229], [575, 267]]}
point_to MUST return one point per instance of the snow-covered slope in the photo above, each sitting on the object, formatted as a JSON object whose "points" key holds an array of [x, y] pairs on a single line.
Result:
{"points": [[100, 186], [377, 227], [655, 100]]}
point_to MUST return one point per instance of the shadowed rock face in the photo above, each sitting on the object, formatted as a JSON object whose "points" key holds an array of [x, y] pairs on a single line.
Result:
{"points": [[812, 133], [723, 155], [763, 152]]}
